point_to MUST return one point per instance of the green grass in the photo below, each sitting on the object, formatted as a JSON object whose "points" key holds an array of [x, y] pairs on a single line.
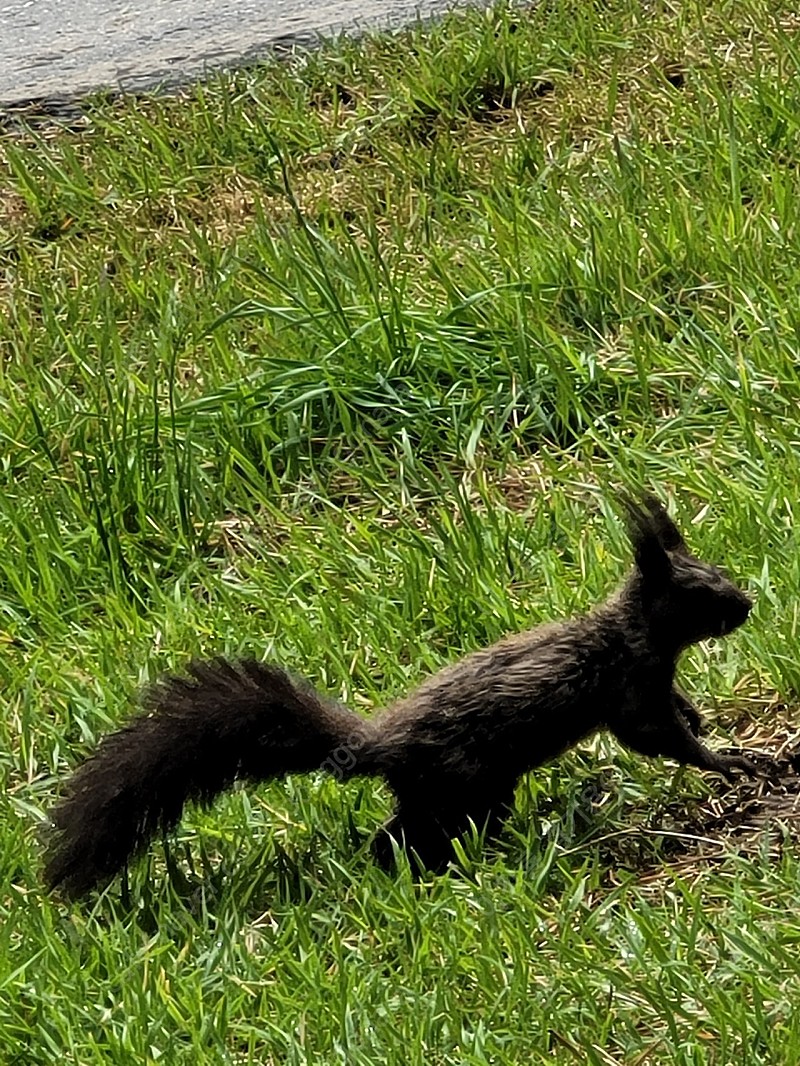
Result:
{"points": [[340, 361]]}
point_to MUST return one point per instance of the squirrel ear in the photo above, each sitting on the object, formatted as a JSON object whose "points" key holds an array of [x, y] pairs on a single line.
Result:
{"points": [[652, 533], [663, 527]]}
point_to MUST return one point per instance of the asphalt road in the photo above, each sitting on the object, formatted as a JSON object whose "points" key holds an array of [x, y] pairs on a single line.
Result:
{"points": [[57, 50]]}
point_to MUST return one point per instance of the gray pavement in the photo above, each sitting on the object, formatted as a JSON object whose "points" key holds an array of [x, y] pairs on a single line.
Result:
{"points": [[57, 50]]}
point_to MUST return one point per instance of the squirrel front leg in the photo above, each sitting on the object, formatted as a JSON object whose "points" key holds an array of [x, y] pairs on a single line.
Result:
{"points": [[670, 734], [684, 706]]}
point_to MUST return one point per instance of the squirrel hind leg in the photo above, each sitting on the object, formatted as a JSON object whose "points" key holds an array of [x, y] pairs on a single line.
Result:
{"points": [[425, 831], [428, 847]]}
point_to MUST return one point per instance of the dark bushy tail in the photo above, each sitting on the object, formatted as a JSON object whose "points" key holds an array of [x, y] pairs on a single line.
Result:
{"points": [[196, 736]]}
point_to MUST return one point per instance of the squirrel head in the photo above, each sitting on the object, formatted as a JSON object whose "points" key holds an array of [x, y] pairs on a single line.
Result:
{"points": [[684, 599]]}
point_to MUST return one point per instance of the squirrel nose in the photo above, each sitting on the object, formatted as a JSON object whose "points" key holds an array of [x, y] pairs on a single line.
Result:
{"points": [[745, 605]]}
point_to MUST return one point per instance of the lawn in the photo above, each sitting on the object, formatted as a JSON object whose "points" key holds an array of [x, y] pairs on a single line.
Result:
{"points": [[341, 361]]}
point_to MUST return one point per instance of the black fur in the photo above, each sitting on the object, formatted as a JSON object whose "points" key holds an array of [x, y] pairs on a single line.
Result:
{"points": [[452, 751]]}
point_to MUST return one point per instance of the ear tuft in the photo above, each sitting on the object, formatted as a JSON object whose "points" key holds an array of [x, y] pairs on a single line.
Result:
{"points": [[652, 533], [647, 519]]}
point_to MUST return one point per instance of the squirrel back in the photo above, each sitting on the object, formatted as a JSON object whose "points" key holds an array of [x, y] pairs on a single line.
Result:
{"points": [[452, 751]]}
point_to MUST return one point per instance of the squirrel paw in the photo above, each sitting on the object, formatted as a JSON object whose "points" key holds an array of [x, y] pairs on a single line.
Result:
{"points": [[726, 764]]}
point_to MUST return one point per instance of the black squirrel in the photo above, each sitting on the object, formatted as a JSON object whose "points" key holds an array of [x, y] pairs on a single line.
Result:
{"points": [[452, 751]]}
